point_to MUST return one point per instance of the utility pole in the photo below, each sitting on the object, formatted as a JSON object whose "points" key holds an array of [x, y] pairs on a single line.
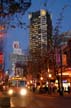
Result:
{"points": [[61, 83]]}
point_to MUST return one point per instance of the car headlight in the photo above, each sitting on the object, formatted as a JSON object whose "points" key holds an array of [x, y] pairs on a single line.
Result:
{"points": [[23, 92], [10, 92]]}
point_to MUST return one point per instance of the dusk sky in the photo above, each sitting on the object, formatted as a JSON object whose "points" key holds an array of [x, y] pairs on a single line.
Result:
{"points": [[54, 7]]}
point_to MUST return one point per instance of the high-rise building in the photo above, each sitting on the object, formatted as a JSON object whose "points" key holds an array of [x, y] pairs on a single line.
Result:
{"points": [[40, 34], [40, 31]]}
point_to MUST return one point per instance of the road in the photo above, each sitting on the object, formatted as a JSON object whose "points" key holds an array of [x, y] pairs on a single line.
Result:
{"points": [[46, 101], [40, 101]]}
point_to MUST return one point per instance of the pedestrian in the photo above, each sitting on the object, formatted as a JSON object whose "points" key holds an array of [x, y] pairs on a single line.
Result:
{"points": [[69, 89]]}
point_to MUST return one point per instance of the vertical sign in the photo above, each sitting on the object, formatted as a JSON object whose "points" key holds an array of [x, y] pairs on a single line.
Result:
{"points": [[1, 58]]}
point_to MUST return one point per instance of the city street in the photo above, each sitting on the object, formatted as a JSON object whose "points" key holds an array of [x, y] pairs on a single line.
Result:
{"points": [[39, 101], [46, 101], [35, 54]]}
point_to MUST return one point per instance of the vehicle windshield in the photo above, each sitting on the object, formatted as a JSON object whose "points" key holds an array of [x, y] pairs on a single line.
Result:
{"points": [[18, 83]]}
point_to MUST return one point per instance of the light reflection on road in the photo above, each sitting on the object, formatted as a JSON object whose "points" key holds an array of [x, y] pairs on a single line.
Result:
{"points": [[20, 101], [41, 101]]}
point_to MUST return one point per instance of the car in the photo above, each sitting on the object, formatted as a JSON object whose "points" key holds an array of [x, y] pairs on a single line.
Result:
{"points": [[17, 87], [18, 92]]}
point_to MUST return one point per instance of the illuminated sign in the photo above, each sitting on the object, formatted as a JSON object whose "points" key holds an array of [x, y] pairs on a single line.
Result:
{"points": [[15, 44], [16, 48], [64, 81], [1, 58], [2, 27], [64, 59], [1, 34]]}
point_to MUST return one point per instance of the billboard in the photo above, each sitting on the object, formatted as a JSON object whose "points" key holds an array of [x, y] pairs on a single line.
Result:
{"points": [[1, 58]]}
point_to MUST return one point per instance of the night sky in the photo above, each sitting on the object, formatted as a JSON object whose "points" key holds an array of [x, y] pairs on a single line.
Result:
{"points": [[54, 7]]}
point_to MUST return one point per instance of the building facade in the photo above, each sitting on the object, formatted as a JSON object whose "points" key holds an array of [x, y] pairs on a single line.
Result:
{"points": [[64, 43], [18, 61], [2, 39], [40, 37], [40, 31]]}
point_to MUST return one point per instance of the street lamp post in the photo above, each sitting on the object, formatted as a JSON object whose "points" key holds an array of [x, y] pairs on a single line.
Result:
{"points": [[61, 84], [49, 82], [59, 78]]}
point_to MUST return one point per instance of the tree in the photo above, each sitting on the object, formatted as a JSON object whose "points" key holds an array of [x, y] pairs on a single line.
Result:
{"points": [[11, 10]]}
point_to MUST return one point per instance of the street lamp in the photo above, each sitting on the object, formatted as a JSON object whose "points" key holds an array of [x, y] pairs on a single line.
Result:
{"points": [[41, 78], [59, 78], [49, 81], [41, 81], [60, 69], [50, 75], [48, 70]]}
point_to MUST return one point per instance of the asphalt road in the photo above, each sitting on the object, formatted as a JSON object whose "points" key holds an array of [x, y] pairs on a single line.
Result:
{"points": [[41, 101], [52, 101], [44, 101]]}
